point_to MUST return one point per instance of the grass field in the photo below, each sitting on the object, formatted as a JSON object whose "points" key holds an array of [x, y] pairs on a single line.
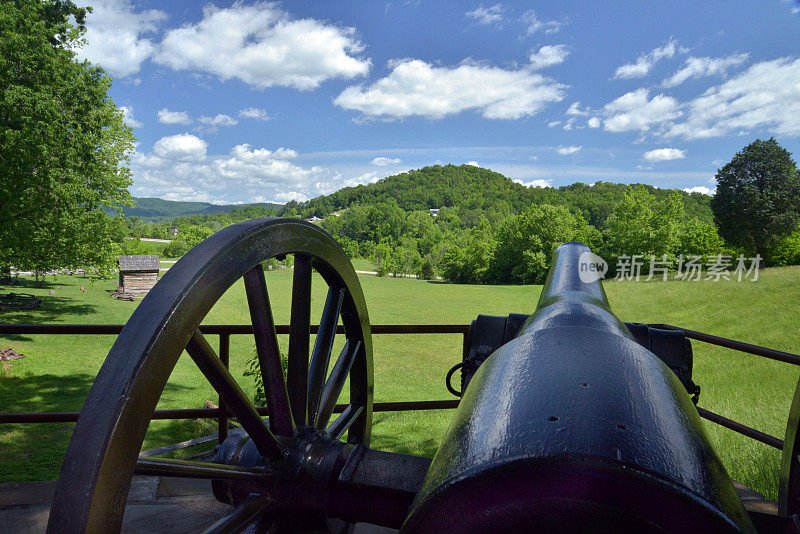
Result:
{"points": [[58, 370]]}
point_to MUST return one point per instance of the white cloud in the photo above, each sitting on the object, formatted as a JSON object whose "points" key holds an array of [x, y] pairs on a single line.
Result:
{"points": [[567, 150], [700, 189], [575, 109], [181, 147], [541, 182], [766, 95], [290, 195], [645, 62], [548, 56], [114, 36], [254, 113], [664, 154], [533, 24], [415, 87], [261, 46], [127, 116], [244, 153], [697, 67], [382, 162], [593, 122], [219, 120], [636, 111], [473, 163], [492, 15], [166, 116], [553, 124], [179, 169]]}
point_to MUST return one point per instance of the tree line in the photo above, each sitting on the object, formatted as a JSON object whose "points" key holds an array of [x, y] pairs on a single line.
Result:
{"points": [[485, 228]]}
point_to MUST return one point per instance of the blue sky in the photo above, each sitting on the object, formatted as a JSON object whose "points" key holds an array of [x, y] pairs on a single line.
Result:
{"points": [[254, 102]]}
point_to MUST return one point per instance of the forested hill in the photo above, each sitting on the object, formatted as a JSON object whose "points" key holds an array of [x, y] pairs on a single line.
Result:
{"points": [[474, 189], [159, 209]]}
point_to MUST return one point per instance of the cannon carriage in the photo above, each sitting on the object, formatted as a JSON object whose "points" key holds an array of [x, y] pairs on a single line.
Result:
{"points": [[570, 420]]}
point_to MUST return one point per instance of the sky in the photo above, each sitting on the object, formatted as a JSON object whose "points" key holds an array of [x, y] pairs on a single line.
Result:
{"points": [[268, 102]]}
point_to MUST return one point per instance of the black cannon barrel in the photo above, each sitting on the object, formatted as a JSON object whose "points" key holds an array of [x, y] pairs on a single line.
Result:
{"points": [[574, 427]]}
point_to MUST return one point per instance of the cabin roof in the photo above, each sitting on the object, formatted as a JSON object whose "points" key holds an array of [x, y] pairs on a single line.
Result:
{"points": [[139, 263]]}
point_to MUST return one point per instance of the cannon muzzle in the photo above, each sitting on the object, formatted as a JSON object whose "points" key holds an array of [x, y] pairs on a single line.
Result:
{"points": [[573, 426]]}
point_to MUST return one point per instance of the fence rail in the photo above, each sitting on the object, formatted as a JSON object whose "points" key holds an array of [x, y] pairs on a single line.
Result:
{"points": [[225, 331]]}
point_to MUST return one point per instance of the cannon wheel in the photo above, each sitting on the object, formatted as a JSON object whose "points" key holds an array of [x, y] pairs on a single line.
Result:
{"points": [[102, 454]]}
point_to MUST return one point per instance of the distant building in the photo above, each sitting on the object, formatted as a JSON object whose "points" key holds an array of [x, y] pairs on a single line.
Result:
{"points": [[434, 212], [313, 219], [138, 274]]}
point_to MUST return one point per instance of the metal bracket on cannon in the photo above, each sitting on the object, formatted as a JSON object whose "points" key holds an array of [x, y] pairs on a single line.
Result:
{"points": [[488, 333]]}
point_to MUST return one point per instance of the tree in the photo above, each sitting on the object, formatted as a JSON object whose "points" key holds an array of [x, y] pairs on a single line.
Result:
{"points": [[526, 242], [644, 225], [62, 141], [758, 197]]}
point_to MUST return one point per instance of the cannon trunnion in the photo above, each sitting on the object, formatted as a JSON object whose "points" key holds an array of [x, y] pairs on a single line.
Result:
{"points": [[570, 420]]}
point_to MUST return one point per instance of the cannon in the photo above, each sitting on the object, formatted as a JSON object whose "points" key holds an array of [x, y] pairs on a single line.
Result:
{"points": [[570, 420]]}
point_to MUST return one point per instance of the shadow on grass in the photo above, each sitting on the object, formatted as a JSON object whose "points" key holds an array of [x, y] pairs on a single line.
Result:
{"points": [[400, 442], [53, 308], [35, 451]]}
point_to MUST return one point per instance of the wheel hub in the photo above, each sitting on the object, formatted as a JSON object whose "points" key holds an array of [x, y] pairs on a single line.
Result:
{"points": [[299, 485]]}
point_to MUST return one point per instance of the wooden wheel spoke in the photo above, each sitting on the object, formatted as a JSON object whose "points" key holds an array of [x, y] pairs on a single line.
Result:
{"points": [[321, 356], [241, 516], [344, 421], [235, 399], [335, 382], [299, 338], [269, 356], [163, 467]]}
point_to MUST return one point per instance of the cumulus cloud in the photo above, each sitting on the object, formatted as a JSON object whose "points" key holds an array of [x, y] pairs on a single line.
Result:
{"points": [[664, 154], [766, 95], [219, 120], [575, 109], [415, 87], [473, 163], [593, 122], [263, 47], [382, 162], [645, 63], [290, 195], [536, 183], [700, 189], [697, 67], [178, 168], [534, 24], [548, 56], [166, 116], [127, 117], [181, 147], [636, 111], [114, 36], [489, 16], [254, 113], [567, 150]]}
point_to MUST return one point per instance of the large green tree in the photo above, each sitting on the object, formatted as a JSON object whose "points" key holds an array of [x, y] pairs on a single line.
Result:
{"points": [[63, 142], [758, 197], [526, 242]]}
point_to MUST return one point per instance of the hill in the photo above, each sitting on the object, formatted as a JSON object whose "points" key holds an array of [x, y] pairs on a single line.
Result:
{"points": [[473, 188], [158, 209]]}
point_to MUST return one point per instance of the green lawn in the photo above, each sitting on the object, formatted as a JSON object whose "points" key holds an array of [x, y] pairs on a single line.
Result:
{"points": [[58, 370], [362, 264]]}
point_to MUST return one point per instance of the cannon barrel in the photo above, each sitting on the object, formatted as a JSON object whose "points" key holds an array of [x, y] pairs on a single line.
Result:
{"points": [[573, 426]]}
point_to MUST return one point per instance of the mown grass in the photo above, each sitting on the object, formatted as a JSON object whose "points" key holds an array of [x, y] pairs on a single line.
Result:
{"points": [[58, 370]]}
